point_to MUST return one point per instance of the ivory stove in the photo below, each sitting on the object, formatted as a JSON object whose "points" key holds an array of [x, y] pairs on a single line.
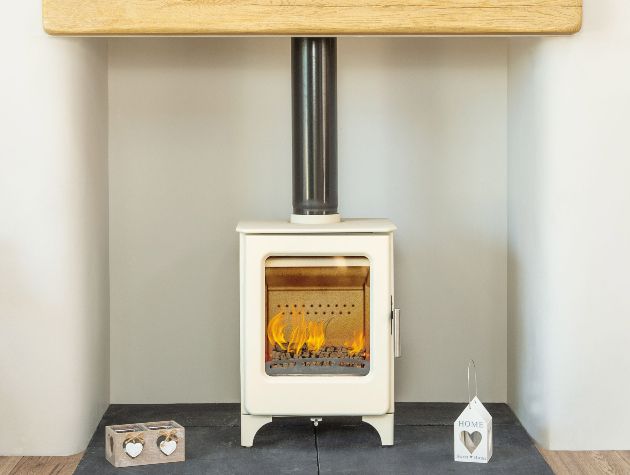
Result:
{"points": [[319, 331], [318, 328]]}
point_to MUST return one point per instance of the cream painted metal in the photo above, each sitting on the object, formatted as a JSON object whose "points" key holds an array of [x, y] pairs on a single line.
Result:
{"points": [[363, 226], [264, 396], [315, 218]]}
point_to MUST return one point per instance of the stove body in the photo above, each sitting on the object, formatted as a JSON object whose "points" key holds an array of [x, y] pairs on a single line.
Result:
{"points": [[318, 328]]}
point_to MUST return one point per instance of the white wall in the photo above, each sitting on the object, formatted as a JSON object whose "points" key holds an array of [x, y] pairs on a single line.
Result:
{"points": [[569, 232], [200, 137], [54, 335]]}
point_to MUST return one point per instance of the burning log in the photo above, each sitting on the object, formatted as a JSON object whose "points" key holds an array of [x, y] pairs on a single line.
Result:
{"points": [[338, 355], [302, 345]]}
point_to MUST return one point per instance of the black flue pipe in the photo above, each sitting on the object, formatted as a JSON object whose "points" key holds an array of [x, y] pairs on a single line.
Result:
{"points": [[314, 103]]}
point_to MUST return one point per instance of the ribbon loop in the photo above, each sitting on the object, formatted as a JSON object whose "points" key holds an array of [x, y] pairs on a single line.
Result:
{"points": [[169, 435], [472, 362], [134, 438]]}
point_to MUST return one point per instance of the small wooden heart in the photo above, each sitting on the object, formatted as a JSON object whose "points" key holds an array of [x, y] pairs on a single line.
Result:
{"points": [[470, 440], [168, 446], [133, 449]]}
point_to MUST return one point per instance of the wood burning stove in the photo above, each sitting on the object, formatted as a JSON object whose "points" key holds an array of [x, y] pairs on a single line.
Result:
{"points": [[317, 323], [319, 331]]}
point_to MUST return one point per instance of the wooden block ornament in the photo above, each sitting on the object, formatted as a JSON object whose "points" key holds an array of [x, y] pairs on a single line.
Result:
{"points": [[131, 445]]}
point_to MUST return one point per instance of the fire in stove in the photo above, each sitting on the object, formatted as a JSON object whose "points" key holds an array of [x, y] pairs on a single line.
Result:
{"points": [[306, 346], [317, 316]]}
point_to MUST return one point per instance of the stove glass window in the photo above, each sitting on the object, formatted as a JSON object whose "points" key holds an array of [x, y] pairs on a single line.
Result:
{"points": [[317, 316]]}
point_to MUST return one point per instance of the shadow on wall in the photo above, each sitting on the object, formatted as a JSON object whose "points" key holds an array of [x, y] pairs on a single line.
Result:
{"points": [[528, 257]]}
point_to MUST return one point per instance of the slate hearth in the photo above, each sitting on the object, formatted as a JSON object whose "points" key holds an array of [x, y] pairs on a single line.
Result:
{"points": [[423, 443]]}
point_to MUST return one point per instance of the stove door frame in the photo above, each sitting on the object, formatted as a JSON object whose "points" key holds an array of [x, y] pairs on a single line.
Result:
{"points": [[321, 395]]}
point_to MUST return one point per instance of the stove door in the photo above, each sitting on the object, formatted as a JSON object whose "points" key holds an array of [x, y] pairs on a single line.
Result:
{"points": [[316, 324], [317, 315]]}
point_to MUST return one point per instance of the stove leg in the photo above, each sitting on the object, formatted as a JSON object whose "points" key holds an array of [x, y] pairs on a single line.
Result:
{"points": [[384, 425], [249, 426]]}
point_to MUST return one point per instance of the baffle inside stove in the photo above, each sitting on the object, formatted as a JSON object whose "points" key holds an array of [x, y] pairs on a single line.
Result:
{"points": [[317, 316]]}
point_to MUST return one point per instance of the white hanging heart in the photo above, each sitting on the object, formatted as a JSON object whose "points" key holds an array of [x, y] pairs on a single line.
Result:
{"points": [[133, 449], [470, 440], [168, 447]]}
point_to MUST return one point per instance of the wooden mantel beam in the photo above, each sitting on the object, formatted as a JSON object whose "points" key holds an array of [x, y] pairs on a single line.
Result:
{"points": [[312, 17]]}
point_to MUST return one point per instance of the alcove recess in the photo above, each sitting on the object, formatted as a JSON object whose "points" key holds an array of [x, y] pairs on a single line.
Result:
{"points": [[312, 17]]}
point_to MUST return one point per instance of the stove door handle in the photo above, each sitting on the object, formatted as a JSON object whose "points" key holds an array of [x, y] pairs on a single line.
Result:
{"points": [[396, 323]]}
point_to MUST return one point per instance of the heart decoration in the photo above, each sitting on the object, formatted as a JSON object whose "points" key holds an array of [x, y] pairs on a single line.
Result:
{"points": [[470, 440], [133, 449], [168, 446]]}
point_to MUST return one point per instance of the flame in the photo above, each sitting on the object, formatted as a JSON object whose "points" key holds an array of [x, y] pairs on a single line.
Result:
{"points": [[356, 345], [312, 333], [275, 331], [316, 336], [298, 333]]}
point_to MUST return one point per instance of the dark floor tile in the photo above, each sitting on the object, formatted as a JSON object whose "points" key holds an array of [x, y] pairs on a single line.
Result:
{"points": [[421, 449], [337, 420], [217, 450], [445, 413], [423, 437], [187, 415], [292, 422]]}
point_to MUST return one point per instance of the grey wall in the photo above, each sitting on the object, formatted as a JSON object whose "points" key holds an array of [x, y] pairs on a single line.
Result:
{"points": [[200, 137]]}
